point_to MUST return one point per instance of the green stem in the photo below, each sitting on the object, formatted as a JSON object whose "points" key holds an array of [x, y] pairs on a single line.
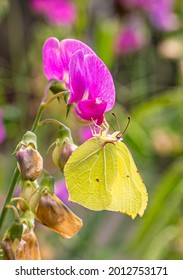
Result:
{"points": [[16, 175], [15, 179], [57, 95], [54, 121]]}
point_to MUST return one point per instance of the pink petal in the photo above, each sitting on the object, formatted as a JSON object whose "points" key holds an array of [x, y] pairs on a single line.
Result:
{"points": [[91, 109], [53, 67], [77, 76], [100, 81], [69, 47]]}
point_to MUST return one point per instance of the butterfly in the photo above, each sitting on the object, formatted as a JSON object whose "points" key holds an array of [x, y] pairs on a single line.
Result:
{"points": [[102, 175]]}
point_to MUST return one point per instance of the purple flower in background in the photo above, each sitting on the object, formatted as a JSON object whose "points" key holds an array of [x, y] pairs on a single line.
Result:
{"points": [[85, 133], [132, 37], [2, 128], [160, 12], [90, 83], [61, 191], [56, 11]]}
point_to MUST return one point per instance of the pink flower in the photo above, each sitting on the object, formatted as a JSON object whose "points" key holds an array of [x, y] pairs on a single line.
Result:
{"points": [[85, 133], [90, 83], [56, 11], [159, 12], [56, 57], [133, 36], [2, 128], [61, 191]]}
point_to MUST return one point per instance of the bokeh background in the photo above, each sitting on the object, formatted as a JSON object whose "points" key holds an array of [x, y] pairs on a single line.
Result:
{"points": [[141, 42]]}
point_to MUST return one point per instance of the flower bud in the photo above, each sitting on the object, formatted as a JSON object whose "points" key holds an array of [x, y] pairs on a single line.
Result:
{"points": [[51, 212], [30, 162], [28, 188], [64, 147], [61, 153]]}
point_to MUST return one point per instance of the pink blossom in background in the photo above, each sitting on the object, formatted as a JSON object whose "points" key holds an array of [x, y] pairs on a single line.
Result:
{"points": [[56, 11], [160, 12], [132, 37], [61, 191], [2, 128], [90, 83], [85, 133]]}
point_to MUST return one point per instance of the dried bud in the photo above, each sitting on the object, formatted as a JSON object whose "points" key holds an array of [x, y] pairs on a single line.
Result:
{"points": [[28, 248], [11, 240], [25, 249], [61, 153], [51, 212], [20, 242], [30, 162]]}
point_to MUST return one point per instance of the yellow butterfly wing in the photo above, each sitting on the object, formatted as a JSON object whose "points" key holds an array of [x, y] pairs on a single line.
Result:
{"points": [[90, 173], [129, 193]]}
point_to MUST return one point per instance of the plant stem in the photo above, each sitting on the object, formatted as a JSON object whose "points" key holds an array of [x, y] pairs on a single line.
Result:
{"points": [[15, 179], [16, 175]]}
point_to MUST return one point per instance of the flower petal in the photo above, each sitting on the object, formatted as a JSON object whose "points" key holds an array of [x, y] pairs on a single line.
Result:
{"points": [[53, 67], [77, 76], [100, 81], [91, 109], [69, 47]]}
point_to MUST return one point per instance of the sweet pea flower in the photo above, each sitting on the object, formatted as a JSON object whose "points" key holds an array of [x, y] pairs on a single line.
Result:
{"points": [[90, 83], [57, 12], [2, 128], [56, 57], [91, 87]]}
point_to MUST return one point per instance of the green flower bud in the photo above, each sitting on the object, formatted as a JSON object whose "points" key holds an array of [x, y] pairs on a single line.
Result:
{"points": [[64, 147], [61, 153], [30, 162], [28, 188]]}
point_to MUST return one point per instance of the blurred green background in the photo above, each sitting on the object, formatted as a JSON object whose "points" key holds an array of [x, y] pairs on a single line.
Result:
{"points": [[149, 87]]}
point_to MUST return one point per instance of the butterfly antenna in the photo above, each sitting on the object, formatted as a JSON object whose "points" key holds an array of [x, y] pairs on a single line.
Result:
{"points": [[126, 126], [119, 128]]}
